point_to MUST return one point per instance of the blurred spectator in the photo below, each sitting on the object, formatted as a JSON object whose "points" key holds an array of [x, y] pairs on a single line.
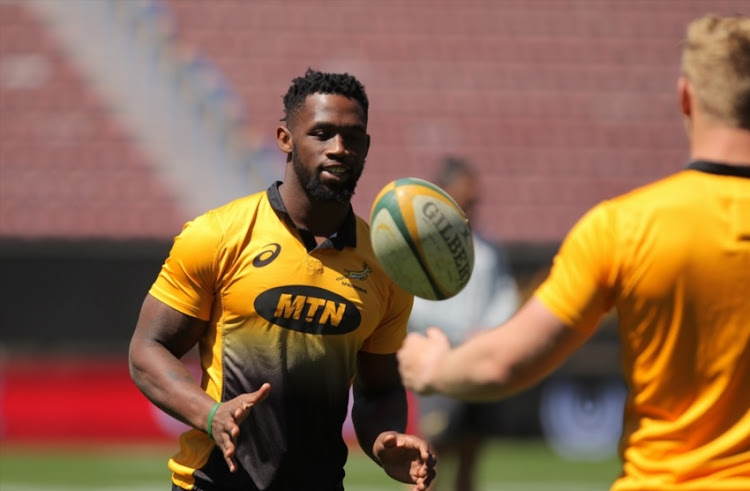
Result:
{"points": [[456, 428]]}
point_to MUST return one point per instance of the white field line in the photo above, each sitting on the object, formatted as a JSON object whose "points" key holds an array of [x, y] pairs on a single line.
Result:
{"points": [[504, 486], [52, 487]]}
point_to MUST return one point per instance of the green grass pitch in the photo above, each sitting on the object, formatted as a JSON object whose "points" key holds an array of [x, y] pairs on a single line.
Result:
{"points": [[520, 465]]}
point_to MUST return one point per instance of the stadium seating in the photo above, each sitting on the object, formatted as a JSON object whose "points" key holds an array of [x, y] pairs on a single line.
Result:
{"points": [[560, 106]]}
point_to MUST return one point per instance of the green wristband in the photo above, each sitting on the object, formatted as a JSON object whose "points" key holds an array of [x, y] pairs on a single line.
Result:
{"points": [[211, 419]]}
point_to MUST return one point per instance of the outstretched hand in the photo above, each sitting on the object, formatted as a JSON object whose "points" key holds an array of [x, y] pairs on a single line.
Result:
{"points": [[420, 357], [226, 422], [405, 458]]}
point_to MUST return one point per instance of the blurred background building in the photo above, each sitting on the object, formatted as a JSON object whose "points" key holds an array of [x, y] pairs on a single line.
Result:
{"points": [[122, 119]]}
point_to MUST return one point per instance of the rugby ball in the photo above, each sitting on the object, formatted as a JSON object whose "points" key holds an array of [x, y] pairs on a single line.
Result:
{"points": [[422, 238]]}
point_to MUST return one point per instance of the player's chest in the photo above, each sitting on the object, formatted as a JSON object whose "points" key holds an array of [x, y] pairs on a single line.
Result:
{"points": [[325, 292]]}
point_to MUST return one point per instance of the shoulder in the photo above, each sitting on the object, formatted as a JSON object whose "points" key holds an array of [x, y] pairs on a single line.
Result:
{"points": [[489, 252], [238, 209], [658, 194], [606, 233], [483, 243], [218, 228], [642, 207], [237, 215]]}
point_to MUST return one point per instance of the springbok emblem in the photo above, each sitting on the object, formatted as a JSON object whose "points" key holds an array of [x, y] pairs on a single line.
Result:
{"points": [[356, 275]]}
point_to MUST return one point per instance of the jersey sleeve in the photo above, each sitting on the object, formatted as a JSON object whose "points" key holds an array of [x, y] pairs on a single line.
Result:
{"points": [[187, 279], [390, 333], [580, 287]]}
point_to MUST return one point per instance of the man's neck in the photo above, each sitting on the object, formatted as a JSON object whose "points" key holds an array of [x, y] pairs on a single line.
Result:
{"points": [[722, 144], [321, 219]]}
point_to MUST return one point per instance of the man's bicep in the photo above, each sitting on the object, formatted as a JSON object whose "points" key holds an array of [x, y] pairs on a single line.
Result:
{"points": [[162, 324], [581, 286], [377, 372], [187, 279], [538, 342]]}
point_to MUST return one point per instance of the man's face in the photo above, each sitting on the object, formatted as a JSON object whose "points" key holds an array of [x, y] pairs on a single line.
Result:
{"points": [[465, 192], [329, 145]]}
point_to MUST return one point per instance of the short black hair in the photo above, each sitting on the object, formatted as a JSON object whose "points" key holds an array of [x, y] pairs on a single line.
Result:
{"points": [[313, 82], [451, 168]]}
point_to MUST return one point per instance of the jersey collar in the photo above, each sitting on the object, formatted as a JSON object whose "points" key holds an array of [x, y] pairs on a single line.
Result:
{"points": [[720, 169], [346, 236]]}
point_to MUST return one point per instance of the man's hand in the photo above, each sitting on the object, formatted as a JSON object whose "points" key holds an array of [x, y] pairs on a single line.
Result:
{"points": [[405, 458], [227, 419], [420, 357]]}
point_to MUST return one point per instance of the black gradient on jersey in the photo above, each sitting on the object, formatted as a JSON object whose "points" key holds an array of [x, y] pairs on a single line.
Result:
{"points": [[293, 439]]}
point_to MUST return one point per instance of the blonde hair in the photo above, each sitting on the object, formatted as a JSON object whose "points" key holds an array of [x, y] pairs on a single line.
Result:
{"points": [[716, 61]]}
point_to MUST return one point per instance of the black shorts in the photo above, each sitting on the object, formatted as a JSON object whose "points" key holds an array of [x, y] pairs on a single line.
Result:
{"points": [[443, 420], [177, 488]]}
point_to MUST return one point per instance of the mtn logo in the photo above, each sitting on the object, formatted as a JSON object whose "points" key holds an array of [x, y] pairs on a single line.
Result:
{"points": [[308, 309]]}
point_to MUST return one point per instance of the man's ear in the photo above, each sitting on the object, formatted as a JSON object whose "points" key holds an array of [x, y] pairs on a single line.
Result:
{"points": [[284, 139], [685, 95], [367, 149]]}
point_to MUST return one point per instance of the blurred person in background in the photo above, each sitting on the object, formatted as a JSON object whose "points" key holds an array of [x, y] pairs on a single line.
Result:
{"points": [[283, 295], [673, 258], [455, 428]]}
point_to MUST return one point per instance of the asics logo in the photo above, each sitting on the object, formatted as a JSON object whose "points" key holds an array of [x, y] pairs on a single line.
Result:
{"points": [[264, 258]]}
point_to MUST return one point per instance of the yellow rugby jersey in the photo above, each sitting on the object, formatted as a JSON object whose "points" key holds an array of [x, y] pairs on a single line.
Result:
{"points": [[285, 311], [673, 257]]}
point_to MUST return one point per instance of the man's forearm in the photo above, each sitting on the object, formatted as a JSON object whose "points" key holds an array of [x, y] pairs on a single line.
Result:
{"points": [[372, 414], [499, 362], [166, 382]]}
